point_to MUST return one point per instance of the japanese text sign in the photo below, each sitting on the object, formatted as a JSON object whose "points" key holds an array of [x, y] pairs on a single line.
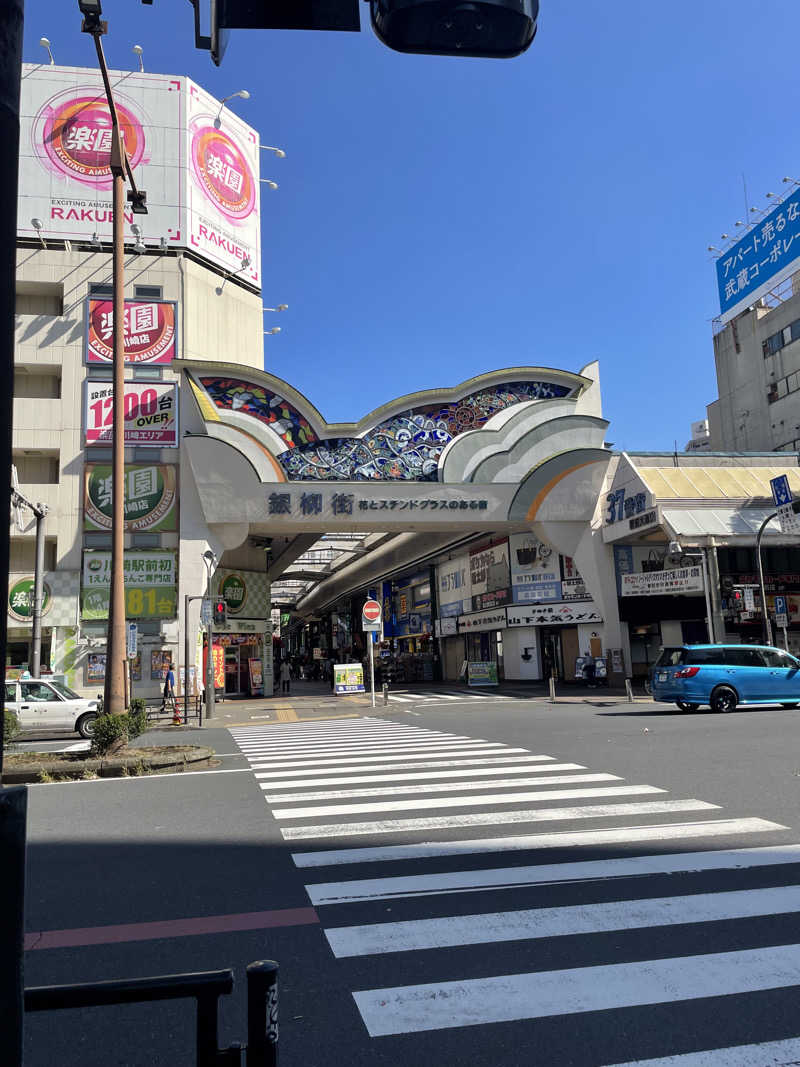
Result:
{"points": [[767, 254], [151, 413], [149, 497], [150, 584], [148, 331]]}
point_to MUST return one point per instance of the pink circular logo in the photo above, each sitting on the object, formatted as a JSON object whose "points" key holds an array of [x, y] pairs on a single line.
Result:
{"points": [[223, 172], [76, 136]]}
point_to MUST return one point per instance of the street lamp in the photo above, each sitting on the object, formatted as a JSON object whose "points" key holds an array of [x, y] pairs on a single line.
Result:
{"points": [[676, 550], [210, 560], [279, 152], [114, 687], [243, 93]]}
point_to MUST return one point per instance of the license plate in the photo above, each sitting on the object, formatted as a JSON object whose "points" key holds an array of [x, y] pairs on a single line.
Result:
{"points": [[661, 676]]}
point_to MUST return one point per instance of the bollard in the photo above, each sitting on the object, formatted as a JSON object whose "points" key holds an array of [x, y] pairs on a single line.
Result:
{"points": [[385, 694], [552, 690], [629, 691], [262, 1014]]}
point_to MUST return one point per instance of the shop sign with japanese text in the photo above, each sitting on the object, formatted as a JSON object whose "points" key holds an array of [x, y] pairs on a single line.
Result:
{"points": [[760, 259], [574, 589], [553, 614], [535, 570], [150, 584], [148, 331], [657, 583], [490, 582], [20, 599], [482, 621], [453, 585], [151, 413], [150, 497]]}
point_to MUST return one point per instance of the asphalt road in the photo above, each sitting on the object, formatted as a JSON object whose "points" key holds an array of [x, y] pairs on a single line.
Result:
{"points": [[432, 891]]}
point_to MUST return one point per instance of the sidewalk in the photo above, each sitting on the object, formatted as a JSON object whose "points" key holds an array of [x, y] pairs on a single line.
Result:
{"points": [[312, 700]]}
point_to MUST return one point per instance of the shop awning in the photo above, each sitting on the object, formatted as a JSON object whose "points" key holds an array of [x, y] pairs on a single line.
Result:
{"points": [[719, 522]]}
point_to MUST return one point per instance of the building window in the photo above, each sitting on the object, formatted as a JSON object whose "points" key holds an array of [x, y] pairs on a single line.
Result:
{"points": [[147, 292], [36, 386], [36, 469], [102, 292]]}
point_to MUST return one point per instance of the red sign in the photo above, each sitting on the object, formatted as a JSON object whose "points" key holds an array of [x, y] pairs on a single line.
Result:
{"points": [[148, 331], [371, 611]]}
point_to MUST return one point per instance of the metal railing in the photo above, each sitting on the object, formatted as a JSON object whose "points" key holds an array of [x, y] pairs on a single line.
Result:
{"points": [[205, 988]]}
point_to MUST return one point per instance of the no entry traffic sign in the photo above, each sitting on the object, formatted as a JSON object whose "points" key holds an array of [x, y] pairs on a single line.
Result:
{"points": [[371, 615]]}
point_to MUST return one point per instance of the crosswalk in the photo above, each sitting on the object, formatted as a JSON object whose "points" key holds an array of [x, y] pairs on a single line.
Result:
{"points": [[461, 696], [626, 900]]}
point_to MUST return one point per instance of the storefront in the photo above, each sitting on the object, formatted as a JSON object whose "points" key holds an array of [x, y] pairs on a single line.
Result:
{"points": [[407, 630]]}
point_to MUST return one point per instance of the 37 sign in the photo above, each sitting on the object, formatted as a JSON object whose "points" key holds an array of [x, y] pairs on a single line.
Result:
{"points": [[151, 413]]}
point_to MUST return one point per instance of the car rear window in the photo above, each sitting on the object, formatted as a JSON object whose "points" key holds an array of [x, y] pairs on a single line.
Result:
{"points": [[670, 657], [704, 655]]}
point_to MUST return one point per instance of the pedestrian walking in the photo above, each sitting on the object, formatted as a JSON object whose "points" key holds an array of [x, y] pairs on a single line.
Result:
{"points": [[168, 696], [286, 676]]}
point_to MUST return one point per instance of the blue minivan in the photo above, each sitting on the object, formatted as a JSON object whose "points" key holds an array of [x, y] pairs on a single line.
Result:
{"points": [[723, 676]]}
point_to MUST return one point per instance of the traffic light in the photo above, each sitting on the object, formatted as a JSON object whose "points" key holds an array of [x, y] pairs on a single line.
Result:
{"points": [[220, 613], [737, 600], [485, 28]]}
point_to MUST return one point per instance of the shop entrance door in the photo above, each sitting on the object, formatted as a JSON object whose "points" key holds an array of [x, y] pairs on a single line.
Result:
{"points": [[232, 683], [552, 661]]}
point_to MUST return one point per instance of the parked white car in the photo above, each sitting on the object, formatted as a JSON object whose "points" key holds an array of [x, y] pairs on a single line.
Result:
{"points": [[46, 705]]}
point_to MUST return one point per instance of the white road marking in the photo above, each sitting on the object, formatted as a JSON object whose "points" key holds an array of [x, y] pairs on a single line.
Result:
{"points": [[437, 787], [507, 765], [499, 818], [409, 758], [766, 1054], [400, 748], [437, 1006], [477, 800], [549, 874], [320, 744], [625, 835], [536, 923], [474, 773]]}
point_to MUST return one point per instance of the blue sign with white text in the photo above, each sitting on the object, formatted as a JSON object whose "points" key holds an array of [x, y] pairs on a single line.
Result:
{"points": [[780, 605], [750, 268], [781, 493]]}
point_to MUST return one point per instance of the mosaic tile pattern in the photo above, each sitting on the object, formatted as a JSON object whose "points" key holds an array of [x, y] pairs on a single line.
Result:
{"points": [[405, 447]]}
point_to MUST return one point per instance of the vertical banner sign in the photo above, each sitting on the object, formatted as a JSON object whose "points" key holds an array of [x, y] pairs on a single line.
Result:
{"points": [[223, 189], [256, 677], [148, 333], [151, 413]]}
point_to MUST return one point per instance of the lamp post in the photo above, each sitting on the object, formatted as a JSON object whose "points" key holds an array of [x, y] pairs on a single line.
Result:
{"points": [[114, 696], [759, 535], [210, 560]]}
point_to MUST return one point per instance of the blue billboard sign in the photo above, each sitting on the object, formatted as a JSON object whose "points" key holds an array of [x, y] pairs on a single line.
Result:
{"points": [[767, 254]]}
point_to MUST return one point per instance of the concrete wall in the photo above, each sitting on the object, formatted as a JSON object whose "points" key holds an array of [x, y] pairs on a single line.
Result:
{"points": [[515, 640]]}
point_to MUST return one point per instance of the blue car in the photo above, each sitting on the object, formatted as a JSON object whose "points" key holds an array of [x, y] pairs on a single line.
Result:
{"points": [[723, 676]]}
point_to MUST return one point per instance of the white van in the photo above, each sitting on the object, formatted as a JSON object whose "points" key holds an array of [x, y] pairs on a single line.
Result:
{"points": [[49, 705]]}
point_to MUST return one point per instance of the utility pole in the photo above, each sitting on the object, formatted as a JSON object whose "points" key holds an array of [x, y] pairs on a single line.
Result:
{"points": [[39, 511], [114, 695]]}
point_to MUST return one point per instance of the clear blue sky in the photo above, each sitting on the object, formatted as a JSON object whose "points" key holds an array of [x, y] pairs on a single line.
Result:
{"points": [[438, 218]]}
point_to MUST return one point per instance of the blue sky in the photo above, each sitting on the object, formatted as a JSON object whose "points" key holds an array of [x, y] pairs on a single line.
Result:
{"points": [[438, 218]]}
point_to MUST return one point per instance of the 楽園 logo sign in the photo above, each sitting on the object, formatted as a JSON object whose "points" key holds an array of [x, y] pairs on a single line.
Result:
{"points": [[149, 497], [233, 591], [20, 599]]}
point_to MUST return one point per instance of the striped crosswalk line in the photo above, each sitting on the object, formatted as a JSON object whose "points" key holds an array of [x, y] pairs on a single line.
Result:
{"points": [[471, 1002], [424, 791]]}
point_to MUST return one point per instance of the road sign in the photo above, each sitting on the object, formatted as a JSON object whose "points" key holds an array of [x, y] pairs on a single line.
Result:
{"points": [[781, 493], [788, 518], [780, 605], [371, 616], [781, 621], [206, 611], [132, 639], [749, 599]]}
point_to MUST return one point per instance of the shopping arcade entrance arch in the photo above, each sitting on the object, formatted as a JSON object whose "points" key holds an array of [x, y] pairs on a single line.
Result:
{"points": [[513, 450]]}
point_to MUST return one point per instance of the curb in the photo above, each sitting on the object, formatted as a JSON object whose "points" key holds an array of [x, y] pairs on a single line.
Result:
{"points": [[109, 767]]}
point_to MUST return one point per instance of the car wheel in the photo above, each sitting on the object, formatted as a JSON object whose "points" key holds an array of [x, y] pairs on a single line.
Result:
{"points": [[788, 705], [724, 699], [85, 725], [682, 704]]}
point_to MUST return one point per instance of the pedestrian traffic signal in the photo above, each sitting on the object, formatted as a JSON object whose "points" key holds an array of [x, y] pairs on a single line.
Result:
{"points": [[220, 613], [737, 600]]}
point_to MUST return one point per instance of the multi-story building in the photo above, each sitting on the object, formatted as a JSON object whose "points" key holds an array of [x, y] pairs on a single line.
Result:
{"points": [[757, 358], [192, 290]]}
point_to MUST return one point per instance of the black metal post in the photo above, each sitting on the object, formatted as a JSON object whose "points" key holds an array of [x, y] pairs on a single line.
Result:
{"points": [[262, 1014], [10, 75], [13, 811]]}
